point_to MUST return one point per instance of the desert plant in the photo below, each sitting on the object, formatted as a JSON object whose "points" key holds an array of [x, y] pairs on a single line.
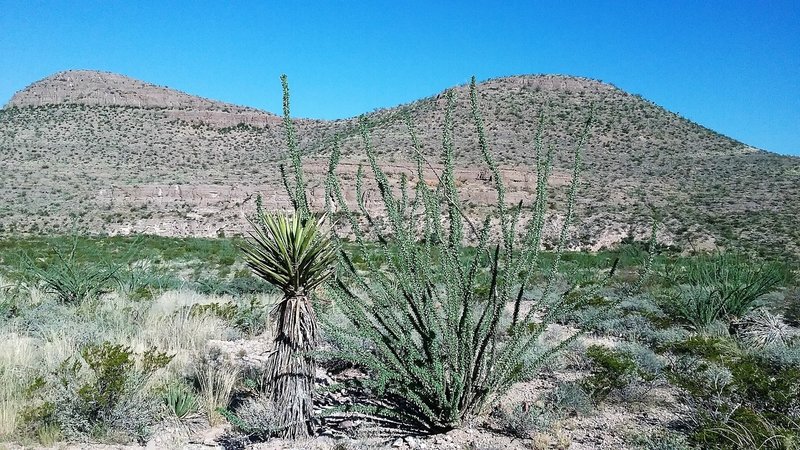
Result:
{"points": [[661, 440], [295, 256], [525, 419], [611, 370], [425, 322], [72, 281], [736, 399], [215, 378], [97, 394], [763, 329], [255, 417], [725, 287], [179, 400]]}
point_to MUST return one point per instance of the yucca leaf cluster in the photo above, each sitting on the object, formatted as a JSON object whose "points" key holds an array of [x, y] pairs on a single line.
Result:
{"points": [[725, 286], [290, 252], [73, 281], [437, 313]]}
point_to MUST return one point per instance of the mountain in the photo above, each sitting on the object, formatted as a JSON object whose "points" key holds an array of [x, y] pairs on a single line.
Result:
{"points": [[109, 154]]}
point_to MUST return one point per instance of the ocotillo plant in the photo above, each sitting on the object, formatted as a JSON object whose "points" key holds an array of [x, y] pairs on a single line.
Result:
{"points": [[428, 323]]}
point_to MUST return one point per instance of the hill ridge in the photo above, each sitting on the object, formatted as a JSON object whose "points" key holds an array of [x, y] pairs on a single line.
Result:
{"points": [[192, 166]]}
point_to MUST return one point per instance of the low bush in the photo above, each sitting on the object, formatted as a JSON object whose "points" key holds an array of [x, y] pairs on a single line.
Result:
{"points": [[524, 420], [737, 398], [611, 370], [567, 399], [661, 440], [100, 394], [256, 418], [762, 329], [250, 315]]}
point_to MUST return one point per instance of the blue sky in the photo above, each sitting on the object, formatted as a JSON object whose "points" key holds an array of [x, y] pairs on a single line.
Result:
{"points": [[731, 66]]}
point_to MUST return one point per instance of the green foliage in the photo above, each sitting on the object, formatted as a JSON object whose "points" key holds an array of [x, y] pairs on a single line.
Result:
{"points": [[180, 401], [146, 265], [290, 253], [97, 395], [725, 287], [738, 399], [568, 398], [238, 286], [662, 440], [72, 281], [140, 282], [111, 365], [611, 370], [428, 322], [248, 315]]}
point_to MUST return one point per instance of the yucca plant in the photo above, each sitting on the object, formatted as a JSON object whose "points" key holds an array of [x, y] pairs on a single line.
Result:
{"points": [[725, 286], [72, 281], [292, 254]]}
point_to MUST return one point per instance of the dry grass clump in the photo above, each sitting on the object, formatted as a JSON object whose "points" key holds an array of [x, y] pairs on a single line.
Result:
{"points": [[54, 356]]}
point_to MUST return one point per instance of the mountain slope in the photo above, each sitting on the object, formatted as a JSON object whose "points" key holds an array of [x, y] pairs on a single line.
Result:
{"points": [[121, 155]]}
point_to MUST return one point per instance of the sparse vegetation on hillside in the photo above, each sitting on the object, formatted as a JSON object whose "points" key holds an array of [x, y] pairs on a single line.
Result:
{"points": [[188, 169]]}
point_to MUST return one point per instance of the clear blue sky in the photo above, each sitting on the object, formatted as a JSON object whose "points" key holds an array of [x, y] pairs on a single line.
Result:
{"points": [[731, 66]]}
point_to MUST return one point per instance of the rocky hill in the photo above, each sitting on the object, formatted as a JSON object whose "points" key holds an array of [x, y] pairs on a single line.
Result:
{"points": [[109, 154]]}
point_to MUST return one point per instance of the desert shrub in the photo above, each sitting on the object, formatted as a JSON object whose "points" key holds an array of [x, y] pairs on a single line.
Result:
{"points": [[611, 370], [426, 323], [249, 315], [762, 329], [649, 365], [723, 287], [661, 440], [142, 282], [737, 399], [525, 419], [215, 378], [255, 417], [100, 394], [236, 287], [628, 371], [568, 398]]}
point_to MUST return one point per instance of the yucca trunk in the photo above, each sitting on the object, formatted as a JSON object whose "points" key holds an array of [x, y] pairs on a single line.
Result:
{"points": [[291, 368]]}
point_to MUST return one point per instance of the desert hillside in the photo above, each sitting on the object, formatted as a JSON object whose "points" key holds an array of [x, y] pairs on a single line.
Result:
{"points": [[109, 154]]}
